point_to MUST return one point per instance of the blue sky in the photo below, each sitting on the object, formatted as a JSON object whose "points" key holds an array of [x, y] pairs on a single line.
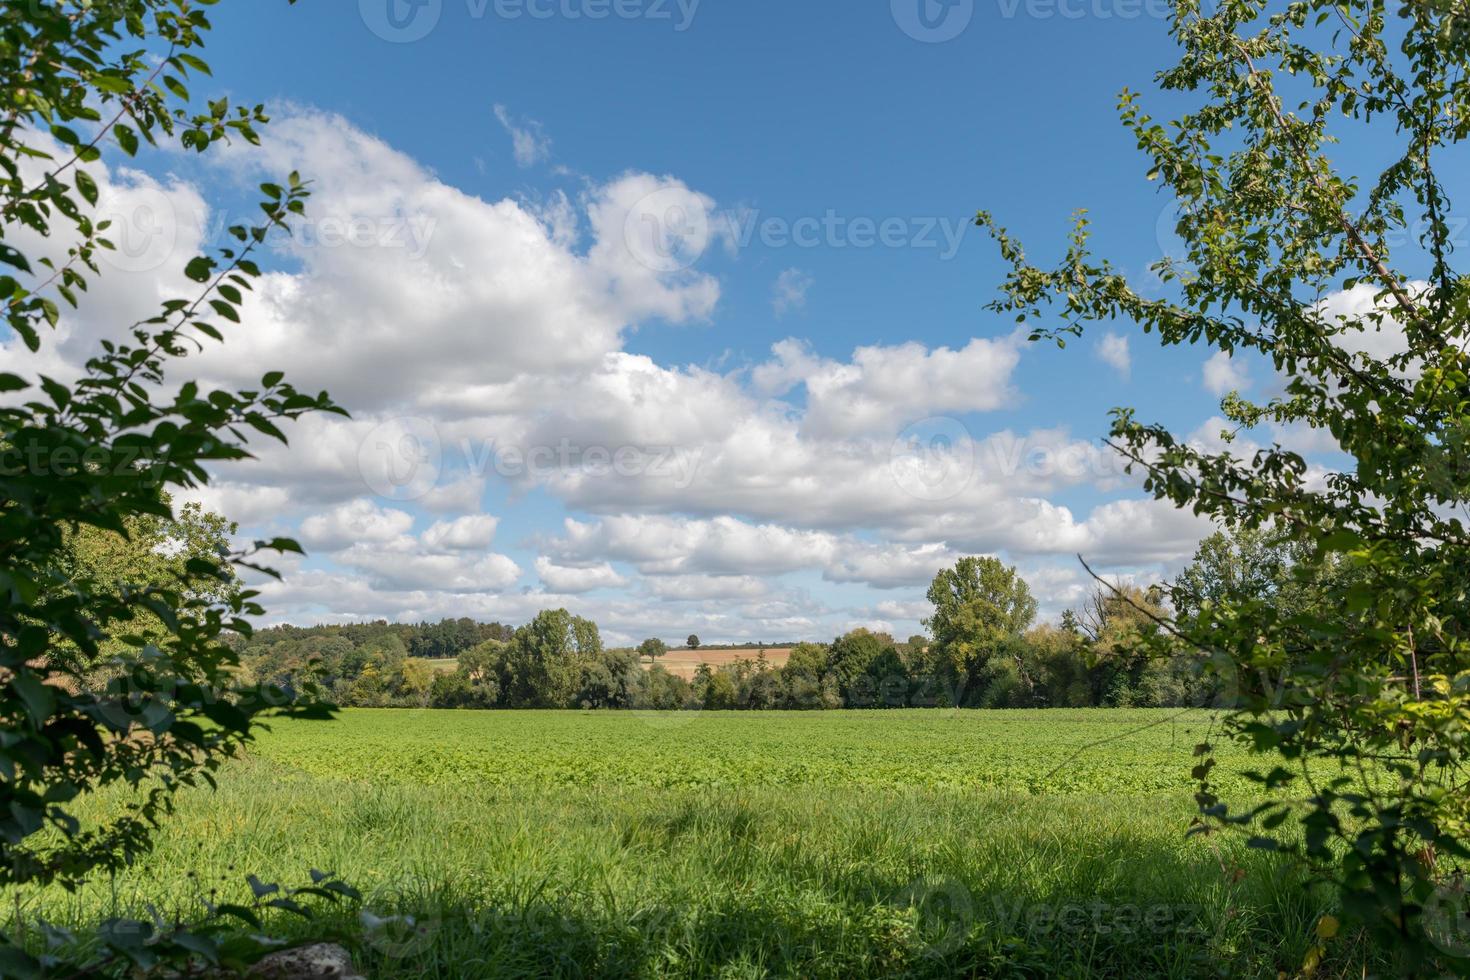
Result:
{"points": [[728, 239]]}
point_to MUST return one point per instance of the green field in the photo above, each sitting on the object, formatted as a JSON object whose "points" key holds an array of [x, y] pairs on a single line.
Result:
{"points": [[925, 843]]}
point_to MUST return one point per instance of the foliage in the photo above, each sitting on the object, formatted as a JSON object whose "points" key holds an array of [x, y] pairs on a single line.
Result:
{"points": [[153, 551], [652, 649], [214, 940], [981, 610], [544, 665], [93, 459], [693, 642], [1286, 256]]}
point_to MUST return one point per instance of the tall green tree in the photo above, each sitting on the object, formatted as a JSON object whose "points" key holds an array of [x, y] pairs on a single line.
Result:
{"points": [[547, 658], [981, 607], [100, 454], [1361, 716]]}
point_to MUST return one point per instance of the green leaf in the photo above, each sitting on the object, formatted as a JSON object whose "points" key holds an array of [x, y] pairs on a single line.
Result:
{"points": [[200, 269], [87, 186], [126, 139], [39, 699]]}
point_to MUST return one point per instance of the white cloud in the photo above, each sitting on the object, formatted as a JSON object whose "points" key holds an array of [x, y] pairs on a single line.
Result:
{"points": [[884, 388], [528, 140], [405, 564], [1113, 351], [360, 521], [502, 325], [452, 290], [708, 588], [472, 532], [1224, 374], [789, 292], [575, 580]]}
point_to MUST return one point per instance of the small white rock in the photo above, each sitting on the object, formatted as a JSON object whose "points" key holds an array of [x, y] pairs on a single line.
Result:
{"points": [[323, 961]]}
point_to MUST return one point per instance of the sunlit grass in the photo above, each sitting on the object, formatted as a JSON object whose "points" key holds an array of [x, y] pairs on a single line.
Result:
{"points": [[741, 845]]}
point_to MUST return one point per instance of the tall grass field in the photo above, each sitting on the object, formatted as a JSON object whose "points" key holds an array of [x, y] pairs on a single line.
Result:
{"points": [[845, 844]]}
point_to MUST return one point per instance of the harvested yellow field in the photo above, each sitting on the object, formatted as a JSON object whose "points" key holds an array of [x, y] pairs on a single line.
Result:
{"points": [[685, 662]]}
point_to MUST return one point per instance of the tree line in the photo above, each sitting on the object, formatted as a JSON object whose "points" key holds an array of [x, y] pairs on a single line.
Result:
{"points": [[983, 649]]}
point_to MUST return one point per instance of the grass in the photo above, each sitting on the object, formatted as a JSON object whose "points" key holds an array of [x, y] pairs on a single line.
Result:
{"points": [[742, 845]]}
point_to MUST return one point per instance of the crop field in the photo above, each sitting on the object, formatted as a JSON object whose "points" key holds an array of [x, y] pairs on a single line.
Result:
{"points": [[685, 662], [919, 843]]}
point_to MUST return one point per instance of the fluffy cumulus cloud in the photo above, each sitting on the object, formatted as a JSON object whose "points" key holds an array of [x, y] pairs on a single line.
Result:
{"points": [[508, 451], [574, 579], [880, 389], [1113, 351], [358, 522], [1224, 374]]}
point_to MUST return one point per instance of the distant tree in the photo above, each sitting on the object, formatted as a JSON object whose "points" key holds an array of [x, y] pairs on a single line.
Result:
{"points": [[652, 649], [802, 674], [150, 551], [546, 659], [1056, 668], [980, 607], [849, 659], [720, 691], [612, 679], [693, 641], [412, 682], [1261, 564], [474, 683], [663, 691], [887, 677], [483, 662]]}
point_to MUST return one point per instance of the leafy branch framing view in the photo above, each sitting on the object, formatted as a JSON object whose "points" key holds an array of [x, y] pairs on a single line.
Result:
{"points": [[1331, 617]]}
